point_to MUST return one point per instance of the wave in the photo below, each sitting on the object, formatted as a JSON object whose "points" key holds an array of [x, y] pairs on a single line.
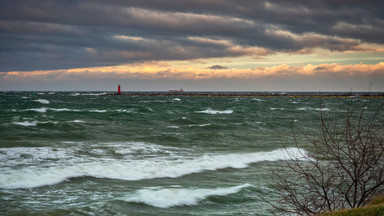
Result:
{"points": [[171, 197], [134, 148], [199, 125], [273, 108], [31, 155], [76, 152], [322, 109], [78, 121], [316, 109], [211, 111], [93, 94], [133, 170], [45, 109], [98, 111], [33, 123], [173, 127], [131, 110], [43, 101], [41, 110], [26, 123]]}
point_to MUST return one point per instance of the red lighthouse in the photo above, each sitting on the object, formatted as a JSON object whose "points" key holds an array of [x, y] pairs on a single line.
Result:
{"points": [[119, 90]]}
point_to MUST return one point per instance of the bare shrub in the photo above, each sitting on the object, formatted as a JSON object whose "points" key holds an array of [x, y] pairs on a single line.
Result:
{"points": [[345, 168]]}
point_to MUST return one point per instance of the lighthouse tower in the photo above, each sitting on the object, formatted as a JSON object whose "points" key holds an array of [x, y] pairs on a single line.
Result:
{"points": [[119, 90]]}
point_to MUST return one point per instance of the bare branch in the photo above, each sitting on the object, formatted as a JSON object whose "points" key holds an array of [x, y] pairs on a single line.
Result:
{"points": [[347, 167]]}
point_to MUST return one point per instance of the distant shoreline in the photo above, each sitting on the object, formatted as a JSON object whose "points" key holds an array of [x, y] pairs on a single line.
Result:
{"points": [[222, 93], [255, 94]]}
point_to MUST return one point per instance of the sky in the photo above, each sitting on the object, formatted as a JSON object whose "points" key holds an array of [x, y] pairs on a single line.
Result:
{"points": [[196, 45]]}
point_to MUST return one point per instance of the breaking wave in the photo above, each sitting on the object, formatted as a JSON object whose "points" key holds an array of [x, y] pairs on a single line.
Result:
{"points": [[133, 170], [170, 197]]}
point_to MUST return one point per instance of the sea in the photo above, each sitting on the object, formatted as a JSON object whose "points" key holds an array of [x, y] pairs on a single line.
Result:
{"points": [[87, 153]]}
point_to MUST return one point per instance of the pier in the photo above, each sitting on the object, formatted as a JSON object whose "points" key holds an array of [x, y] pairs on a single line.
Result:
{"points": [[257, 94]]}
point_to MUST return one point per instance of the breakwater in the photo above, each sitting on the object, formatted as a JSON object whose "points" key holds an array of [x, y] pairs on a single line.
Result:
{"points": [[257, 94]]}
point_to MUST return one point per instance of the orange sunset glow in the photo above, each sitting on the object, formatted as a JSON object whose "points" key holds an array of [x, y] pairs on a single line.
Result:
{"points": [[221, 46]]}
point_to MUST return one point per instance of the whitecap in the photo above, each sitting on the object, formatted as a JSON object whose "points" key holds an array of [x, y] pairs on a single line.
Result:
{"points": [[44, 109], [175, 196], [98, 111], [173, 127], [322, 109], [273, 108], [94, 94], [33, 123], [77, 121], [64, 110], [199, 125], [211, 111], [29, 155], [176, 99], [26, 123], [43, 101], [134, 148], [134, 170], [316, 109], [75, 94], [125, 111], [41, 110], [302, 109], [204, 125]]}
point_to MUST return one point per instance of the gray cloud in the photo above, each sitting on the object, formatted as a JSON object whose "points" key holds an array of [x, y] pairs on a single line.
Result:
{"points": [[218, 67], [53, 34]]}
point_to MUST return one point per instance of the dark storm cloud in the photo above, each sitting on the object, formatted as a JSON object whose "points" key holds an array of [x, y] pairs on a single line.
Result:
{"points": [[54, 34]]}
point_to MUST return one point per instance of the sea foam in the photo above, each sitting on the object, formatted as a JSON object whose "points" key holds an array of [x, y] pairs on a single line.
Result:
{"points": [[97, 111], [170, 197], [133, 170], [45, 109], [211, 111], [26, 123], [43, 101], [309, 108], [77, 121], [33, 123], [31, 155]]}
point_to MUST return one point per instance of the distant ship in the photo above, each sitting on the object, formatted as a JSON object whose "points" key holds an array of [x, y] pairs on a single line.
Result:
{"points": [[180, 90]]}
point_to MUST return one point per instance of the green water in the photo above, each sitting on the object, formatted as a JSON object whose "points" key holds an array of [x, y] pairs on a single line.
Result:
{"points": [[67, 153]]}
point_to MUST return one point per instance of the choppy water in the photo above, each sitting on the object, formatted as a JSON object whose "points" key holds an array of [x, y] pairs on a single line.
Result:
{"points": [[85, 154]]}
